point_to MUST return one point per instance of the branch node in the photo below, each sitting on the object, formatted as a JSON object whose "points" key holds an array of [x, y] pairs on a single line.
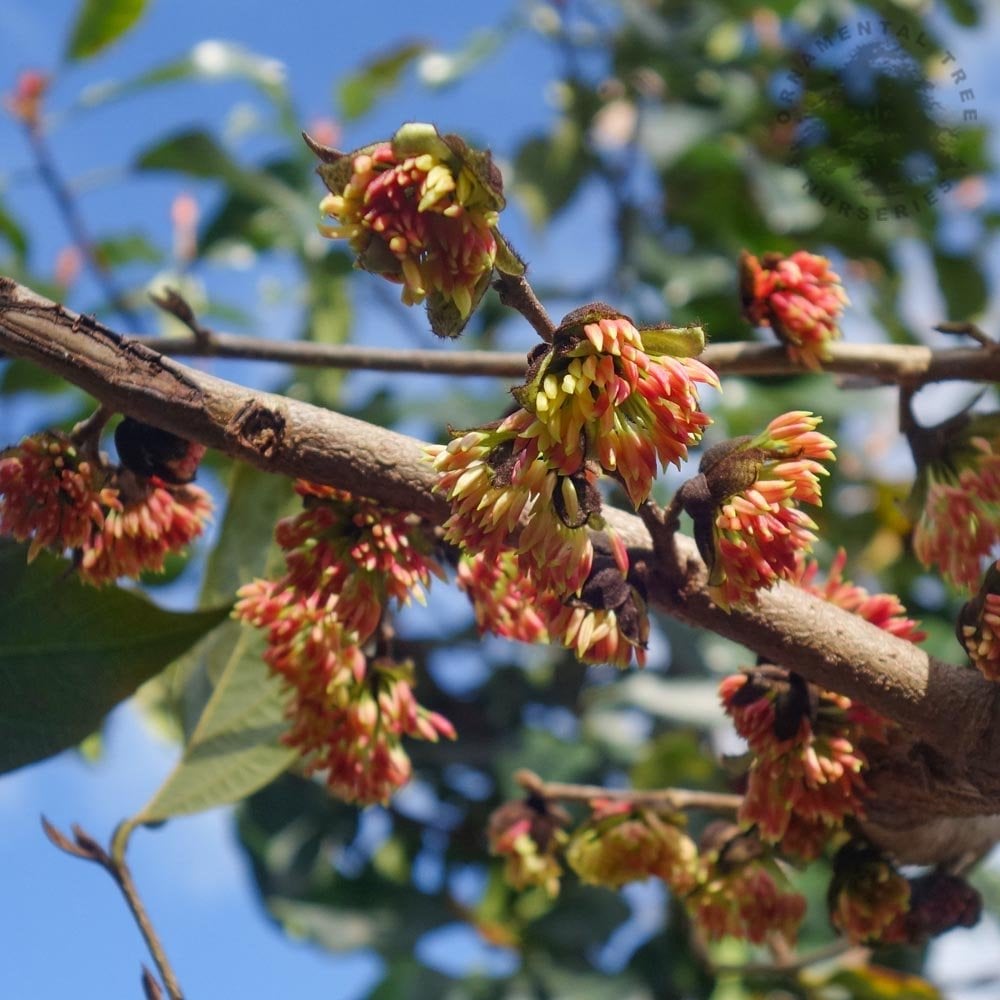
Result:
{"points": [[173, 303], [515, 292], [87, 848], [150, 987], [969, 329], [87, 433]]}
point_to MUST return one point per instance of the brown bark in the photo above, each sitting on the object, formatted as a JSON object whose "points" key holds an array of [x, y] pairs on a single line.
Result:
{"points": [[951, 716]]}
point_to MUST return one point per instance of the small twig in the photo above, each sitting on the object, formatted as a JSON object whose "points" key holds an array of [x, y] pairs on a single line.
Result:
{"points": [[908, 425], [172, 302], [314, 355], [84, 846], [968, 329], [150, 987], [87, 433], [68, 208], [841, 948], [517, 293], [666, 798], [782, 952], [877, 364]]}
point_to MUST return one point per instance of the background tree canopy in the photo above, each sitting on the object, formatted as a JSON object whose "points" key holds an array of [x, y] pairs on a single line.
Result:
{"points": [[643, 145]]}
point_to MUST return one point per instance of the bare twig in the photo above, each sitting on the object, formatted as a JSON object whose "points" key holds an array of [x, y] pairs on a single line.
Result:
{"points": [[70, 212], [842, 949], [172, 302], [968, 329], [150, 987], [832, 647], [84, 846], [877, 364], [517, 293], [314, 355], [663, 798], [87, 433]]}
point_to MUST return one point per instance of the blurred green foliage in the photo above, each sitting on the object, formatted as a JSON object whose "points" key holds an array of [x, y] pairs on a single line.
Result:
{"points": [[709, 127]]}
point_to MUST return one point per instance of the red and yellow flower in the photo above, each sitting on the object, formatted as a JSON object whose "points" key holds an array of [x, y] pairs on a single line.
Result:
{"points": [[624, 398], [528, 834], [744, 503], [799, 297], [867, 895], [116, 522], [622, 843], [420, 209], [346, 558], [807, 768]]}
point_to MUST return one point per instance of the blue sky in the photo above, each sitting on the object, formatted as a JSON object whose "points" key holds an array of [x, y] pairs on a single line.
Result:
{"points": [[67, 932]]}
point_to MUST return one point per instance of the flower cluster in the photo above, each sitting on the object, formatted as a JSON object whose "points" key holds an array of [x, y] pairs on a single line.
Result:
{"points": [[799, 297], [744, 504], [117, 521], [739, 893], [494, 478], [505, 602], [978, 627], [352, 732], [149, 521], [345, 559], [622, 843], [420, 209], [529, 835], [606, 624], [867, 895], [958, 496], [728, 883], [50, 495], [806, 775], [26, 100], [604, 398], [623, 398]]}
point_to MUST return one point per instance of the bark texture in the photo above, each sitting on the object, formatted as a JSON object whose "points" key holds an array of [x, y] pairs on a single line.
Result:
{"points": [[947, 766]]}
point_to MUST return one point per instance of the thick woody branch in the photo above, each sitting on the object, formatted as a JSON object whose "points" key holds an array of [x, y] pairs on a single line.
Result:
{"points": [[949, 708], [272, 432]]}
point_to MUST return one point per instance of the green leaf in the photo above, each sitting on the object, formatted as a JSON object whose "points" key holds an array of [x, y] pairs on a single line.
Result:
{"points": [[192, 152], [210, 61], [23, 376], [965, 12], [235, 748], [677, 341], [358, 93], [13, 234], [196, 154], [99, 23], [407, 979], [963, 286], [244, 551], [548, 170], [70, 652], [128, 248]]}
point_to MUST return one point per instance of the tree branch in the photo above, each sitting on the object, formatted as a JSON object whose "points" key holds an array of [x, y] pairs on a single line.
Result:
{"points": [[882, 364], [84, 846], [675, 799], [70, 212], [950, 708]]}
